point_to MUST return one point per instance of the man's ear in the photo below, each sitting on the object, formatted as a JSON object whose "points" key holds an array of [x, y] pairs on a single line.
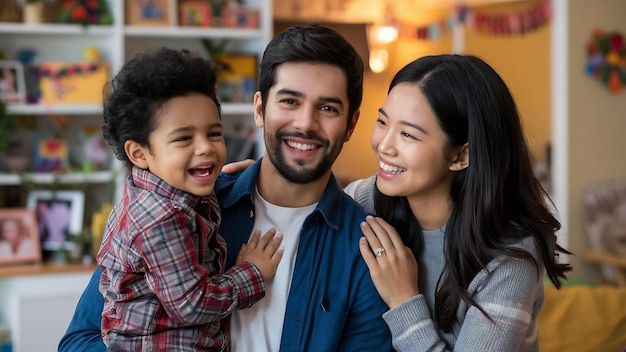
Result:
{"points": [[460, 158], [136, 154], [258, 110], [352, 125]]}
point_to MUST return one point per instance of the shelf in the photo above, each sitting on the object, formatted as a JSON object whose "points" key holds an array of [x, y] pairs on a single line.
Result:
{"points": [[54, 29], [44, 269], [237, 108], [96, 109], [54, 109], [64, 178], [191, 32]]}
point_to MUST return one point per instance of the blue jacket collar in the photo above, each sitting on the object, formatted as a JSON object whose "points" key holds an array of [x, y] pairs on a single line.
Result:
{"points": [[244, 186]]}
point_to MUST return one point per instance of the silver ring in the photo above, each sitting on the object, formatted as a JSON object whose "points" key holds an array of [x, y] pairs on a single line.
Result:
{"points": [[379, 251]]}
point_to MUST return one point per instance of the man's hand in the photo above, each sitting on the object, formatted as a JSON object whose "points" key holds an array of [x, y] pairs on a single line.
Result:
{"points": [[237, 166]]}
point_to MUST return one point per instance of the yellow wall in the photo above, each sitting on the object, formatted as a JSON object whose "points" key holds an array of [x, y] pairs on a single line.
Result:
{"points": [[597, 119], [356, 159], [523, 61]]}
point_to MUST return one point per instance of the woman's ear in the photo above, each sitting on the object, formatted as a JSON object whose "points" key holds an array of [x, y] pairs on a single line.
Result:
{"points": [[136, 154], [460, 158]]}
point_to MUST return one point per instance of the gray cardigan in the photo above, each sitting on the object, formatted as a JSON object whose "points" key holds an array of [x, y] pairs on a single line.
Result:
{"points": [[509, 290]]}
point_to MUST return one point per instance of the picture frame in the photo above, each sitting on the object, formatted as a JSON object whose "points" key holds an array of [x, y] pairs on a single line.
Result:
{"points": [[19, 238], [237, 80], [59, 217], [50, 154], [194, 13], [12, 83], [151, 12], [240, 17]]}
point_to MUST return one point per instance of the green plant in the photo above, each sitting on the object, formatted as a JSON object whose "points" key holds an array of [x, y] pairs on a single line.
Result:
{"points": [[8, 125], [85, 12]]}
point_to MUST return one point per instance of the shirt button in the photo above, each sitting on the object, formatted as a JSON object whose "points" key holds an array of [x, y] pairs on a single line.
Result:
{"points": [[297, 318]]}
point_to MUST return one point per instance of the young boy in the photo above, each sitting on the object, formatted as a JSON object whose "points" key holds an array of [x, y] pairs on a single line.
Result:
{"points": [[163, 280]]}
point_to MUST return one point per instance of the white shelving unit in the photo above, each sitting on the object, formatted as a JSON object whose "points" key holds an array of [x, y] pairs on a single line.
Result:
{"points": [[116, 43]]}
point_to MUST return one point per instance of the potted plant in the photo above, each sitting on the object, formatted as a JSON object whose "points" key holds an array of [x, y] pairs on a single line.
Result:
{"points": [[8, 125]]}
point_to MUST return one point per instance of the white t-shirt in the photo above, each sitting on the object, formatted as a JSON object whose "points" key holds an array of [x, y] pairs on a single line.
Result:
{"points": [[259, 328]]}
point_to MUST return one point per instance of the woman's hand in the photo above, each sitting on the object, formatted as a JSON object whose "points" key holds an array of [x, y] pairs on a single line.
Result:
{"points": [[237, 166], [392, 264]]}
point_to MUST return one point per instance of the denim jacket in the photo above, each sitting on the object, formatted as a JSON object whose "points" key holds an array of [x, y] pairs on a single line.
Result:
{"points": [[332, 304]]}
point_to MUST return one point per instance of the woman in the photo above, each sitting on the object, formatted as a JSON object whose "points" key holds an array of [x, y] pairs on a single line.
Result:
{"points": [[456, 189]]}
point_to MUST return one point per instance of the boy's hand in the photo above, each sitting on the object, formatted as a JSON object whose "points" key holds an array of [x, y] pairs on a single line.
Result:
{"points": [[237, 166], [263, 252]]}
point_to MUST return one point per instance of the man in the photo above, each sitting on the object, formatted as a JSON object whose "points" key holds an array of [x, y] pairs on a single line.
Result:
{"points": [[322, 297]]}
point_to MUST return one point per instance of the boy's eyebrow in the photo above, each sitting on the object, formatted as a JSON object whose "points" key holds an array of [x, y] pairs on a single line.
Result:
{"points": [[295, 93], [406, 123], [191, 128]]}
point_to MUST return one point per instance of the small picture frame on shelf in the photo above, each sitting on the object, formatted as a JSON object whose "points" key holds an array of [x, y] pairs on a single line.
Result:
{"points": [[150, 12], [50, 155], [59, 217], [194, 13], [19, 239], [12, 85], [240, 17], [238, 77]]}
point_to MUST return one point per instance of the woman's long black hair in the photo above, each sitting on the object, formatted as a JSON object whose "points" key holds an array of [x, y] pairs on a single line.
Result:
{"points": [[497, 200]]}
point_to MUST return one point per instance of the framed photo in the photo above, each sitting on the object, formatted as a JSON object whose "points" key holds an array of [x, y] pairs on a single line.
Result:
{"points": [[151, 12], [194, 13], [240, 17], [50, 155], [19, 239], [12, 85], [238, 78], [59, 216]]}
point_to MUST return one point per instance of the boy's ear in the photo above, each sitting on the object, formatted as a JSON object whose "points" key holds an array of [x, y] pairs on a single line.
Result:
{"points": [[135, 153], [460, 158]]}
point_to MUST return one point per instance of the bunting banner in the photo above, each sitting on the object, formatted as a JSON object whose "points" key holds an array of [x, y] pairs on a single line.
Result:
{"points": [[517, 23]]}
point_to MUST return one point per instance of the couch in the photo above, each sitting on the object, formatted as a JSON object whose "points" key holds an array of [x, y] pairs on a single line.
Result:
{"points": [[583, 318]]}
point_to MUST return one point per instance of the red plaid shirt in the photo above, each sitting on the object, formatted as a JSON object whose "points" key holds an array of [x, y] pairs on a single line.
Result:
{"points": [[163, 278]]}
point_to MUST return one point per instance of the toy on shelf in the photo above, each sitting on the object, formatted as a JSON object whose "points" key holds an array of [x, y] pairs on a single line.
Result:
{"points": [[74, 82]]}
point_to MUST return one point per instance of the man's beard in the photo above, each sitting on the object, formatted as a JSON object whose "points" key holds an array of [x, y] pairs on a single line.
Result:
{"points": [[273, 144]]}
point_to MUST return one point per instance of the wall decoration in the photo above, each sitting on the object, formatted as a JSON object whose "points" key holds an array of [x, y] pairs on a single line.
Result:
{"points": [[19, 238], [606, 59], [505, 24], [59, 216], [12, 85]]}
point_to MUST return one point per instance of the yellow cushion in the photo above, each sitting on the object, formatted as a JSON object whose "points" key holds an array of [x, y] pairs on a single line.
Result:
{"points": [[580, 318]]}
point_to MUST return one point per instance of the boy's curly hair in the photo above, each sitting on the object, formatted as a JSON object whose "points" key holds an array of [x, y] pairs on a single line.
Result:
{"points": [[143, 85]]}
